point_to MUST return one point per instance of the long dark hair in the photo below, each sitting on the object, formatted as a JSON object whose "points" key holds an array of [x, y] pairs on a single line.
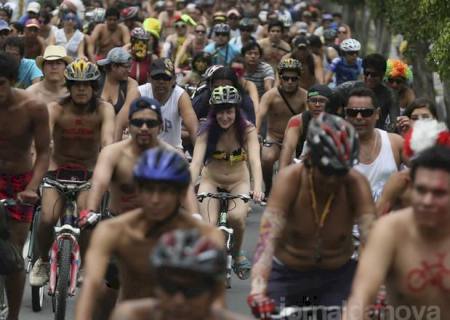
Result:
{"points": [[214, 131]]}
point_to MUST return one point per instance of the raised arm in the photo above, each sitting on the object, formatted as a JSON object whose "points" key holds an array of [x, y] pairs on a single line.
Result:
{"points": [[291, 136], [188, 115]]}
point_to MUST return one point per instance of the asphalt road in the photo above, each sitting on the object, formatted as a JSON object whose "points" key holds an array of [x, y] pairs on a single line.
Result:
{"points": [[236, 296]]}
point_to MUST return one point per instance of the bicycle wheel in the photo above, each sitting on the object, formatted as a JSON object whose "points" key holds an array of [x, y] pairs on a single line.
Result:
{"points": [[62, 281], [3, 302]]}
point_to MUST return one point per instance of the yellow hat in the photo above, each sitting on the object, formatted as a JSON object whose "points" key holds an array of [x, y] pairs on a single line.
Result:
{"points": [[152, 26]]}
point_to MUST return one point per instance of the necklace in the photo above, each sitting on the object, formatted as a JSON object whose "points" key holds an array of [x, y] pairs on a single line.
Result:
{"points": [[319, 220], [367, 156]]}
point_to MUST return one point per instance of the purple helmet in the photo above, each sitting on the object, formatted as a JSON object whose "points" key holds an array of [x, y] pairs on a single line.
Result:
{"points": [[159, 164]]}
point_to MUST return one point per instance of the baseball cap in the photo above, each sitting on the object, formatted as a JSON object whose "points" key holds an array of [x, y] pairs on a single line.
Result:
{"points": [[4, 25], [143, 103], [32, 23], [53, 53], [162, 66], [301, 41], [34, 7], [115, 55], [320, 90]]}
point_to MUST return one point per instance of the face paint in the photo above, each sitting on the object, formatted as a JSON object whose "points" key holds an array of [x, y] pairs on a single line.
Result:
{"points": [[140, 48]]}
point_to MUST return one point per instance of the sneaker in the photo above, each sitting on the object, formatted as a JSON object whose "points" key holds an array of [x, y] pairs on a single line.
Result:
{"points": [[39, 275]]}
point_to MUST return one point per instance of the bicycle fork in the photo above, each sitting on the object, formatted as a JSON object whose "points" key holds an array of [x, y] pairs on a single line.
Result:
{"points": [[75, 263], [228, 237]]}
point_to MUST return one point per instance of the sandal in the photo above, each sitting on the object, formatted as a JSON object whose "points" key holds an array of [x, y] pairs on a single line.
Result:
{"points": [[242, 268]]}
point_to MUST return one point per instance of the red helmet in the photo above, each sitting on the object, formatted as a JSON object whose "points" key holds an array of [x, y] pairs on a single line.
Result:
{"points": [[129, 13]]}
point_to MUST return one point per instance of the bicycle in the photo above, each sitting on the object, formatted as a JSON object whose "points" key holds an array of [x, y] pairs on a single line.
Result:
{"points": [[65, 257], [222, 223]]}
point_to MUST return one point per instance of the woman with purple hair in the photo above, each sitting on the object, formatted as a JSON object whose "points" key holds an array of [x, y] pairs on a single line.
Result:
{"points": [[225, 143]]}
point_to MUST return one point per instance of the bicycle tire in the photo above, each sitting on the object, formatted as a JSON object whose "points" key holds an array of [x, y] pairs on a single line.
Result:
{"points": [[62, 281], [3, 302], [37, 293]]}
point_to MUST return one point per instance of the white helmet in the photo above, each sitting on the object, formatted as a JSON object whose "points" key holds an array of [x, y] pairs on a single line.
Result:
{"points": [[350, 45]]}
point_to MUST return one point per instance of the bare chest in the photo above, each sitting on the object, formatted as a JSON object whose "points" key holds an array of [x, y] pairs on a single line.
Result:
{"points": [[15, 128], [77, 127], [282, 108]]}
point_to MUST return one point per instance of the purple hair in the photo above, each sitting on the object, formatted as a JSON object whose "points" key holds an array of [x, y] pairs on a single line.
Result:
{"points": [[215, 131]]}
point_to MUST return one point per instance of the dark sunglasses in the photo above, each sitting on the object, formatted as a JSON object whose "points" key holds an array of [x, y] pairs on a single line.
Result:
{"points": [[365, 112], [192, 291], [163, 77], [396, 80], [246, 29], [224, 34], [352, 53], [287, 78], [371, 74], [150, 123]]}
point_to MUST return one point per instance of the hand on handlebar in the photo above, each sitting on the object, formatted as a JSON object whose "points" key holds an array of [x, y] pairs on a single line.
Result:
{"points": [[261, 306], [257, 196], [87, 218], [28, 196]]}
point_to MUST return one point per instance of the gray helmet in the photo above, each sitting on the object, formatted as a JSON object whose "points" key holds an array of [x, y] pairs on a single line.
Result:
{"points": [[333, 143], [188, 250]]}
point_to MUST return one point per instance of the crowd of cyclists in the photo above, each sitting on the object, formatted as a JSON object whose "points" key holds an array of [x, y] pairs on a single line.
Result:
{"points": [[155, 102]]}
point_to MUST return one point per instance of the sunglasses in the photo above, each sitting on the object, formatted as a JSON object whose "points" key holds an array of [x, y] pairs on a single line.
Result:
{"points": [[223, 34], [163, 77], [192, 291], [150, 123], [287, 78], [396, 80], [352, 53], [365, 112], [246, 29], [320, 101]]}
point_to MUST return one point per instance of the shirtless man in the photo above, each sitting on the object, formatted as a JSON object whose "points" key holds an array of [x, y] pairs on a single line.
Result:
{"points": [[380, 153], [279, 104], [34, 44], [305, 243], [297, 127], [53, 87], [22, 121], [107, 36], [187, 284], [81, 124], [274, 48], [167, 18], [409, 251], [162, 177]]}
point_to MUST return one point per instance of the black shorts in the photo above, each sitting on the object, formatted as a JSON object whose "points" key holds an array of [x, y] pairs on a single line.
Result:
{"points": [[289, 287]]}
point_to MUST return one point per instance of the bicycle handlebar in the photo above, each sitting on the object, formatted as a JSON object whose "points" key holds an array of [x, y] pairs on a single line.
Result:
{"points": [[65, 186], [223, 196]]}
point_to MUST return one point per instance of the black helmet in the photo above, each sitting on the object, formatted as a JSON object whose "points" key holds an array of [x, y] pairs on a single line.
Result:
{"points": [[189, 251], [333, 144]]}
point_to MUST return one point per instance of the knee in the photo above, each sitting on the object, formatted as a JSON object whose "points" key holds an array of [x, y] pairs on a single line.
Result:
{"points": [[269, 158]]}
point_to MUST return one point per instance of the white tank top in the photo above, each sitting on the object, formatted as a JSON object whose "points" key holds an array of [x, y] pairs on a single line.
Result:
{"points": [[381, 169], [71, 45], [171, 132]]}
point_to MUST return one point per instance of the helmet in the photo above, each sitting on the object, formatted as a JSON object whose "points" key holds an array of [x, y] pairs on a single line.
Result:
{"points": [[329, 34], [81, 70], [290, 64], [333, 143], [225, 95], [210, 71], [163, 165], [139, 33], [350, 45], [98, 15], [222, 28], [188, 250], [201, 56], [8, 10], [129, 13], [425, 134]]}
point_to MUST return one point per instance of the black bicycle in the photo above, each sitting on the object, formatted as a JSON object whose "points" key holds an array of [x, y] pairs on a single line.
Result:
{"points": [[222, 223]]}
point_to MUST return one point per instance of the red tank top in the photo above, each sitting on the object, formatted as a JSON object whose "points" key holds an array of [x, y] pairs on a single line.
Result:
{"points": [[140, 69]]}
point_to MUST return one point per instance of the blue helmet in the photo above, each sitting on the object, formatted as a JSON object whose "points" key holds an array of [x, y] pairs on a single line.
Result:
{"points": [[159, 164]]}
